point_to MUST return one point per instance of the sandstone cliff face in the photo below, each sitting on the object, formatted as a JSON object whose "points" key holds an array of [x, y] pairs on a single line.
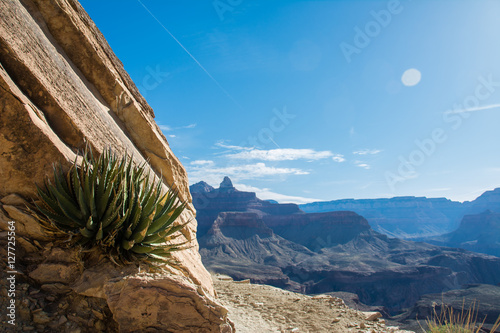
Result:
{"points": [[67, 290], [242, 245], [61, 86], [240, 226], [318, 230]]}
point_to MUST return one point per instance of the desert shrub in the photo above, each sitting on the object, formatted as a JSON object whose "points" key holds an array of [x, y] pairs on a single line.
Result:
{"points": [[450, 321], [112, 204]]}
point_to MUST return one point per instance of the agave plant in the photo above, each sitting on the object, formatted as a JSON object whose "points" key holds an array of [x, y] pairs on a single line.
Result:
{"points": [[111, 203]]}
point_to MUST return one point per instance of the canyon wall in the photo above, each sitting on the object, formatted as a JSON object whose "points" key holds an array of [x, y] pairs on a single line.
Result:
{"points": [[325, 252]]}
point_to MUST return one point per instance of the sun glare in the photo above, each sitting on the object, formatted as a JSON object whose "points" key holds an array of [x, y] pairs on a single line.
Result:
{"points": [[411, 77]]}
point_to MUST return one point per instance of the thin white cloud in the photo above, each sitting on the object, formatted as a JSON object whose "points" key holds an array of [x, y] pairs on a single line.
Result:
{"points": [[267, 194], [339, 158], [202, 162], [281, 154], [167, 128], [221, 144], [367, 152], [479, 108], [212, 174], [172, 136], [362, 164]]}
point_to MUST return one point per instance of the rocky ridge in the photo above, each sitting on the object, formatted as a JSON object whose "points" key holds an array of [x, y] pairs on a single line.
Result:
{"points": [[241, 245], [402, 217], [414, 218], [489, 200]]}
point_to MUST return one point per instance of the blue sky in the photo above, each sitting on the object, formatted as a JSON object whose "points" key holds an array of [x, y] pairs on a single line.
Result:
{"points": [[320, 100]]}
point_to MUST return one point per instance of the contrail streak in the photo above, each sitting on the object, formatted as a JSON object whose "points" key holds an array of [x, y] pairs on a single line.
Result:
{"points": [[479, 108], [192, 57]]}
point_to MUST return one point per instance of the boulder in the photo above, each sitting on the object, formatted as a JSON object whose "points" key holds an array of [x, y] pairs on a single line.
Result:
{"points": [[26, 225], [164, 303], [13, 199], [372, 316], [54, 273]]}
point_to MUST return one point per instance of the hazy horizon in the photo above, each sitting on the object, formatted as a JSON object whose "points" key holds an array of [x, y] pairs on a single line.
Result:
{"points": [[264, 194]]}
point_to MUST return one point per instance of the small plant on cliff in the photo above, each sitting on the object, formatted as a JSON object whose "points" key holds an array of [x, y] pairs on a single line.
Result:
{"points": [[109, 202], [450, 321]]}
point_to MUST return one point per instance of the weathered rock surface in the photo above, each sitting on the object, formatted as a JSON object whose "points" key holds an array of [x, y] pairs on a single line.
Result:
{"points": [[318, 230], [352, 301], [26, 225], [227, 185], [201, 187], [61, 86], [163, 303]]}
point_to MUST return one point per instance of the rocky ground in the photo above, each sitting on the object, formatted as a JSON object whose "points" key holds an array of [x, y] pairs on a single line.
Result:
{"points": [[262, 308]]}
